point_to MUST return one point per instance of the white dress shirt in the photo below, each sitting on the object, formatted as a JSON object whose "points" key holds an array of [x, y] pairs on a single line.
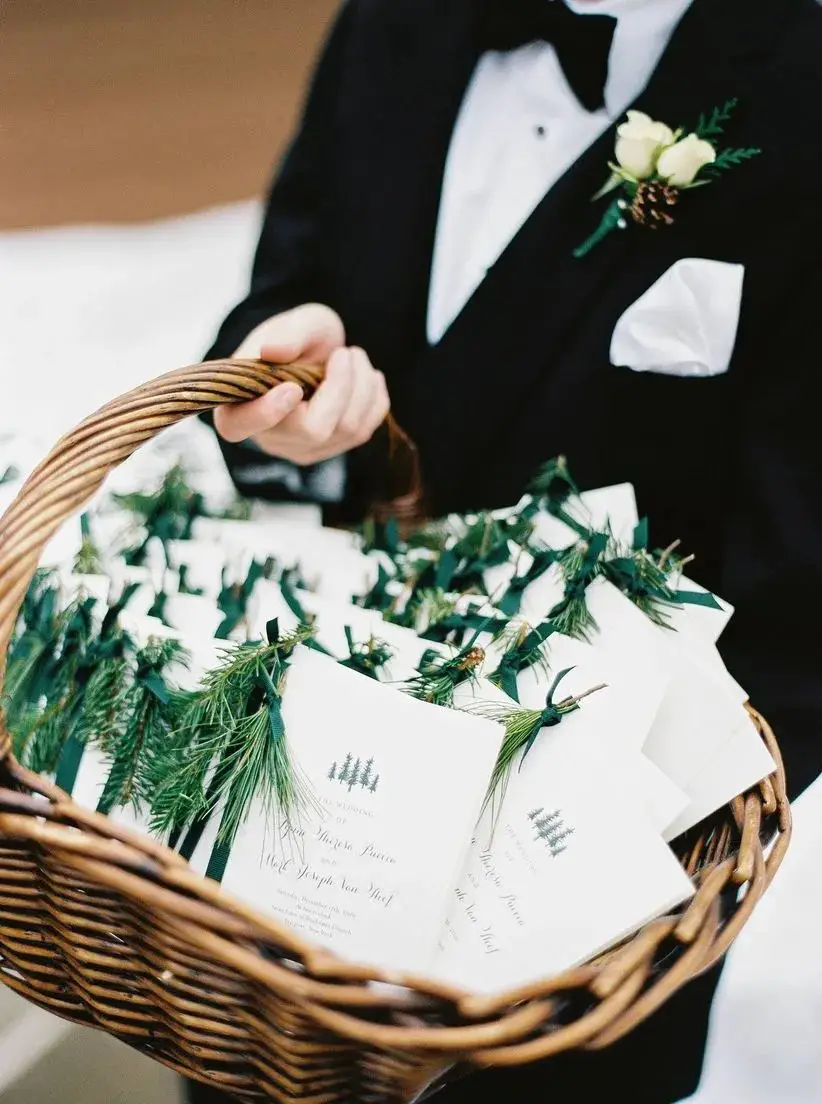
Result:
{"points": [[519, 130]]}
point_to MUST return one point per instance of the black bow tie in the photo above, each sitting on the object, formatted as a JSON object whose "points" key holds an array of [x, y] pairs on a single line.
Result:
{"points": [[582, 42]]}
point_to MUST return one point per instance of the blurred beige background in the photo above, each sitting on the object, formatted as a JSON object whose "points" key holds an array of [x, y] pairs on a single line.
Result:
{"points": [[122, 110]]}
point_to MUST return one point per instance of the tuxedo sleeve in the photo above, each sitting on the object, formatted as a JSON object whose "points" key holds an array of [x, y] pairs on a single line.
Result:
{"points": [[773, 553], [288, 271]]}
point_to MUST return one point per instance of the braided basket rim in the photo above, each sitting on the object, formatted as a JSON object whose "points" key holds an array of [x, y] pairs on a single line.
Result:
{"points": [[49, 843]]}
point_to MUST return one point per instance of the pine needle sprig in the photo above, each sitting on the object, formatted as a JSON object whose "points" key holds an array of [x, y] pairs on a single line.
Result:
{"points": [[526, 650], [62, 706], [580, 565], [167, 513], [229, 745], [438, 676], [551, 489], [9, 475], [646, 578], [88, 560], [83, 689], [146, 708], [553, 482], [427, 608], [433, 537], [522, 729], [369, 658], [34, 651]]}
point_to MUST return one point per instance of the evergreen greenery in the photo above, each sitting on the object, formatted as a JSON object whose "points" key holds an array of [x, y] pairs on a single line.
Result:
{"points": [[135, 726], [228, 746]]}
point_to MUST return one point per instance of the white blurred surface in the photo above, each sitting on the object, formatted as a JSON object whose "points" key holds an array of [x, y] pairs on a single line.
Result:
{"points": [[86, 313]]}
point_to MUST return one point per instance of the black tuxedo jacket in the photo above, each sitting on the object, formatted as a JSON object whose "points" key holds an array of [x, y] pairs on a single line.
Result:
{"points": [[731, 464]]}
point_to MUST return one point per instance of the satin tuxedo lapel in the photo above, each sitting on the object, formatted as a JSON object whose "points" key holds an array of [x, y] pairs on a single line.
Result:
{"points": [[537, 298]]}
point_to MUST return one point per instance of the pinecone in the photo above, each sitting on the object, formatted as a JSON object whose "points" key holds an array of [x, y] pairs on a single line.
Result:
{"points": [[471, 660], [652, 203]]}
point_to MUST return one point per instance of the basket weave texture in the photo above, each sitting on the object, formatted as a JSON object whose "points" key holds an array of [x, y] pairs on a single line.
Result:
{"points": [[107, 928]]}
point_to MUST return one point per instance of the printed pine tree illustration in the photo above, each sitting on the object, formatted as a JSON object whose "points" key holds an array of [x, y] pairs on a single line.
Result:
{"points": [[558, 844], [535, 813], [551, 829], [365, 777], [332, 774], [353, 777], [373, 785], [545, 822], [343, 775]]}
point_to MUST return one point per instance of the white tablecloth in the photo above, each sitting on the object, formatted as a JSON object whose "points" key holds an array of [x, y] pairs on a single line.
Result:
{"points": [[86, 313]]}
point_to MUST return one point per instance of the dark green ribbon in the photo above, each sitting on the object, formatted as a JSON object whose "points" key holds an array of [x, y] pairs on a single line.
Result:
{"points": [[378, 597], [520, 657], [367, 659], [69, 765], [511, 601], [111, 644], [552, 714], [292, 601], [185, 586], [456, 622], [233, 599]]}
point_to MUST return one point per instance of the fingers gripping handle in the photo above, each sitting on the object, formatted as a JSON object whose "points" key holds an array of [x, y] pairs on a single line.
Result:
{"points": [[77, 465]]}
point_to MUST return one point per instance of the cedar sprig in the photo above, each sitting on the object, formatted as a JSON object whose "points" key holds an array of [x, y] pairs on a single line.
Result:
{"points": [[713, 125], [730, 158]]}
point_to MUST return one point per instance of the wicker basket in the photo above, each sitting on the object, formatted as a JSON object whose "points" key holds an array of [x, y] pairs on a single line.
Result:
{"points": [[107, 928]]}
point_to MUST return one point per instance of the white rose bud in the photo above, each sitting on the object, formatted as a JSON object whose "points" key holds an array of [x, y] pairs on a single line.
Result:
{"points": [[680, 164], [639, 144]]}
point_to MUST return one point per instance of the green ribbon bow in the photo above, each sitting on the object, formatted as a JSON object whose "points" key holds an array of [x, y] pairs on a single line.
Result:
{"points": [[520, 656]]}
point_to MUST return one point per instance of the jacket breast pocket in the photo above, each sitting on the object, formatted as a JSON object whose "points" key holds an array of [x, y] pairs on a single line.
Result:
{"points": [[685, 324]]}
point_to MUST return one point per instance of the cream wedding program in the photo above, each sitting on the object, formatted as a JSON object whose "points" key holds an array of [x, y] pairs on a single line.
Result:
{"points": [[566, 869], [398, 786]]}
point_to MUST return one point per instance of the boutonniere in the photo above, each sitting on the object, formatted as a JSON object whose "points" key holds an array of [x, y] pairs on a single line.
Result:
{"points": [[653, 165]]}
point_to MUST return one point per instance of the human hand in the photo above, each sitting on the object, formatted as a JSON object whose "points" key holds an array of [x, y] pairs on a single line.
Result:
{"points": [[344, 412]]}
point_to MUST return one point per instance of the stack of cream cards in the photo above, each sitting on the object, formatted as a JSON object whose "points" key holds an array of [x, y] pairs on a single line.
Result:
{"points": [[411, 851]]}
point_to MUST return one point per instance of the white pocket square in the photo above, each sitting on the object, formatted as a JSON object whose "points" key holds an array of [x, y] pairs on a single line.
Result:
{"points": [[685, 324]]}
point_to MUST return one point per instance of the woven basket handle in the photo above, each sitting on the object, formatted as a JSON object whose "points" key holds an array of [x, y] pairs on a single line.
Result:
{"points": [[77, 465]]}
